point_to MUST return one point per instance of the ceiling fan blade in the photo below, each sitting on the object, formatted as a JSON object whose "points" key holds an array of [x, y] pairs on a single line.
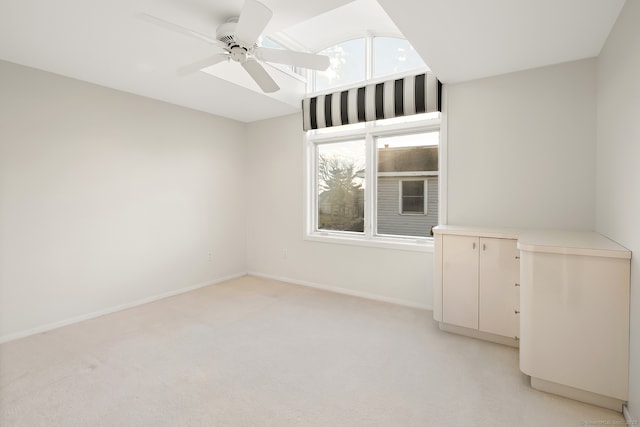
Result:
{"points": [[253, 19], [260, 76], [177, 28], [203, 63], [290, 57]]}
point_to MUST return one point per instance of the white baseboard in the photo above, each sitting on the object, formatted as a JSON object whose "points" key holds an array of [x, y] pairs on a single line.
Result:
{"points": [[577, 394], [109, 310], [628, 417], [345, 291]]}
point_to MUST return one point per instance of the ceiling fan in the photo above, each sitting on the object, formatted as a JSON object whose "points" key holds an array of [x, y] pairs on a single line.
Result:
{"points": [[236, 40]]}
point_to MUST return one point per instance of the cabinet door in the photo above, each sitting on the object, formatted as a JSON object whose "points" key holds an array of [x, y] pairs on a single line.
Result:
{"points": [[460, 280], [497, 287]]}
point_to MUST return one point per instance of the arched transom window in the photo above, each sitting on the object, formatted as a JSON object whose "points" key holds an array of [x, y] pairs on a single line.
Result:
{"points": [[361, 59]]}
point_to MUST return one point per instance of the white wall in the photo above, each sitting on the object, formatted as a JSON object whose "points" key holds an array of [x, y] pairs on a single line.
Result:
{"points": [[275, 229], [618, 170], [108, 198], [521, 149]]}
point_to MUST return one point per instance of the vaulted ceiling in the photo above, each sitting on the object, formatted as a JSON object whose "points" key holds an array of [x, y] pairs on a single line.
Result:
{"points": [[105, 43]]}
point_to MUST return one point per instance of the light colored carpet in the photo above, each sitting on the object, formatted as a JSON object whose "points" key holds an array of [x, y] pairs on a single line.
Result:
{"points": [[256, 352]]}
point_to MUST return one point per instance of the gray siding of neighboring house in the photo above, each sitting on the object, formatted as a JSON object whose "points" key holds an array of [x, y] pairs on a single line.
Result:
{"points": [[390, 221]]}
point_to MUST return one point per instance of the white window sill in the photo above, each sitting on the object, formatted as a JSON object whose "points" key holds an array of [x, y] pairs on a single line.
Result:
{"points": [[417, 244]]}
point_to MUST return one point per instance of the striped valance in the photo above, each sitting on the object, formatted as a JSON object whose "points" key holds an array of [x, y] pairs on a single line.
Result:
{"points": [[384, 100]]}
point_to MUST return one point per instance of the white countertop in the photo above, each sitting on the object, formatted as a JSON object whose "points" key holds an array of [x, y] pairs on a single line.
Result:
{"points": [[587, 243], [463, 230]]}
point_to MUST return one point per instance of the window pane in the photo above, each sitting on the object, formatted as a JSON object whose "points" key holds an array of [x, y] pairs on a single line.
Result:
{"points": [[392, 55], [412, 197], [347, 65], [407, 174], [340, 192]]}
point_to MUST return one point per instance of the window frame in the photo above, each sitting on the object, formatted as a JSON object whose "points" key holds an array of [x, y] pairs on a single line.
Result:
{"points": [[370, 131], [401, 196]]}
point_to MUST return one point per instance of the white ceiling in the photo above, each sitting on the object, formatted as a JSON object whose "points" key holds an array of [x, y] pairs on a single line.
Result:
{"points": [[103, 42], [352, 20], [464, 40]]}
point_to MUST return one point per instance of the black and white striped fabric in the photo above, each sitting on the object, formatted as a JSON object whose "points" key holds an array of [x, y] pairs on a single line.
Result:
{"points": [[393, 98]]}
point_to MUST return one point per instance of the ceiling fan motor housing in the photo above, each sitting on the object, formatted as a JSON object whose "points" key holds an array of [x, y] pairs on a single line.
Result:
{"points": [[238, 54], [226, 32]]}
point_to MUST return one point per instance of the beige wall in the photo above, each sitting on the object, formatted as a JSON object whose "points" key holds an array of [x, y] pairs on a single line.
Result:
{"points": [[618, 172], [522, 148], [108, 199]]}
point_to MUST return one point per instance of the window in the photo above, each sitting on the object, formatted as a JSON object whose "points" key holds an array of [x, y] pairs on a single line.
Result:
{"points": [[378, 183], [373, 183], [407, 168], [412, 197], [365, 58], [340, 190], [392, 55], [347, 65]]}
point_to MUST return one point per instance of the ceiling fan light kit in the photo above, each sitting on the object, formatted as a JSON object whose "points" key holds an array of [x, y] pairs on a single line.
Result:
{"points": [[236, 40]]}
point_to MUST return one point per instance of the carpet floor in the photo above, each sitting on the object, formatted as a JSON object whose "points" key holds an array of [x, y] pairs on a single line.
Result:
{"points": [[257, 352]]}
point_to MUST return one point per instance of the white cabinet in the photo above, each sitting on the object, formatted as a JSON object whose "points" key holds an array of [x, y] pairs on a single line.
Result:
{"points": [[574, 297], [498, 287], [477, 282], [575, 316], [460, 281]]}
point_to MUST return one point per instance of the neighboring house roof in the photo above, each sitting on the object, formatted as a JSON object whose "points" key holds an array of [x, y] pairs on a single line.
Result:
{"points": [[408, 159]]}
